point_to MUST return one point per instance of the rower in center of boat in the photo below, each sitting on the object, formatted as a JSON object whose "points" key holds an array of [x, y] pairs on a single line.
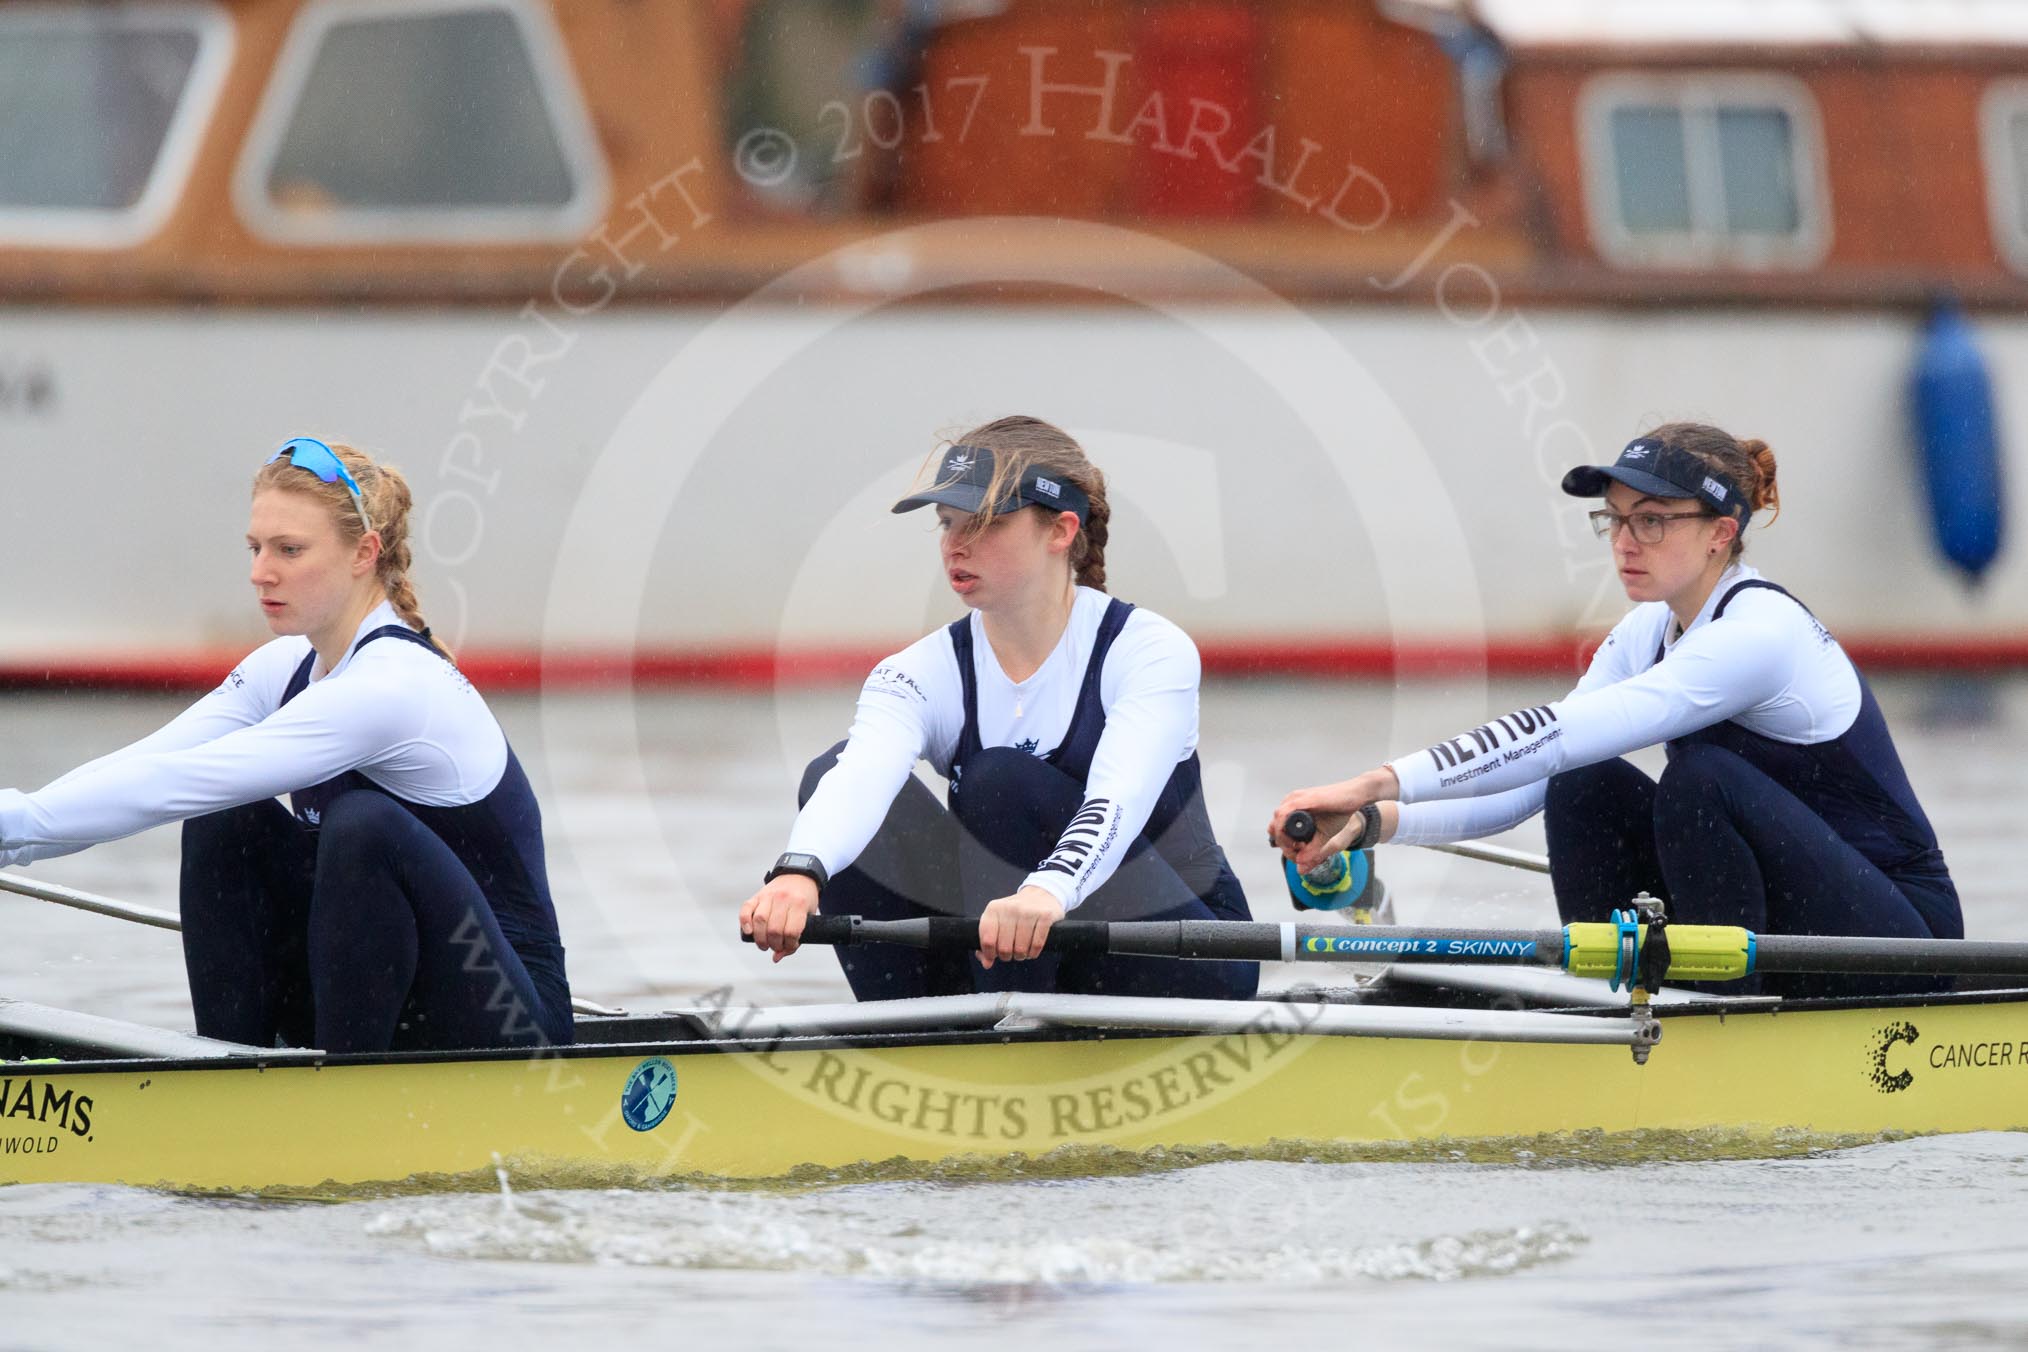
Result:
{"points": [[1066, 723], [402, 900], [1784, 808]]}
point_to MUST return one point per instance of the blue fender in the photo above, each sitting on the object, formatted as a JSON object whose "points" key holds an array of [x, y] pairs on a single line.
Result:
{"points": [[1958, 440]]}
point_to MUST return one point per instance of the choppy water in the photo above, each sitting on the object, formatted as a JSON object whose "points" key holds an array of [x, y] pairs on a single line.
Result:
{"points": [[661, 814], [1887, 1245]]}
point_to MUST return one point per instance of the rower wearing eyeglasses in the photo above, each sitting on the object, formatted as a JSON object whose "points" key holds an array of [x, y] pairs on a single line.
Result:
{"points": [[1784, 806], [401, 900]]}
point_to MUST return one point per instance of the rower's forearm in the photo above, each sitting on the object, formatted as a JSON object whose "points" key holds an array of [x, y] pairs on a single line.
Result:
{"points": [[1446, 821]]}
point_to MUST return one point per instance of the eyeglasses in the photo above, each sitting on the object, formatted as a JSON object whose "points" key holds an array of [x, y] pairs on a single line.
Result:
{"points": [[313, 455], [1648, 527]]}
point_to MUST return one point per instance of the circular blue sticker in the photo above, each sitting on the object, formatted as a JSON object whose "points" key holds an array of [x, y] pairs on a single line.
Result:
{"points": [[650, 1093]]}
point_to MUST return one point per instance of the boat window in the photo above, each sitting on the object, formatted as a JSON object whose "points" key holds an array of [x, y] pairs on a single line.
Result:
{"points": [[101, 108], [1757, 155], [1654, 182], [798, 65], [427, 119], [2006, 151], [1704, 172]]}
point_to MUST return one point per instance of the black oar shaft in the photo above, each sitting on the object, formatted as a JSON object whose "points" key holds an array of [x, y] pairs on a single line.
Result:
{"points": [[1888, 957], [1249, 941], [1253, 941]]}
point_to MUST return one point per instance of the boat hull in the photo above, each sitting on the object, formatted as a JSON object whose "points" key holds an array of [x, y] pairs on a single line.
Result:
{"points": [[1460, 526], [758, 1110]]}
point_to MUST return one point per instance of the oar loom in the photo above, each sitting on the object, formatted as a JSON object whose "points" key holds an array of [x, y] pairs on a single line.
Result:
{"points": [[1619, 950]]}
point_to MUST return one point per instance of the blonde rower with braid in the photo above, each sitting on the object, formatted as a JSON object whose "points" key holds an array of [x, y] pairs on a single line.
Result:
{"points": [[401, 900], [1066, 723]]}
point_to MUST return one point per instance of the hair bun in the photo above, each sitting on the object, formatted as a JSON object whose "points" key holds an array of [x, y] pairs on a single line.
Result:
{"points": [[1745, 462], [1764, 494]]}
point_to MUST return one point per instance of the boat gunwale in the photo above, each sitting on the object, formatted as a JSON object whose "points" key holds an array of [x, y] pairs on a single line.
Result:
{"points": [[283, 1059]]}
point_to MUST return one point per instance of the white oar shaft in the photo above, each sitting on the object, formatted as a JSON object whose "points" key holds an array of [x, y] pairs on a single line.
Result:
{"points": [[148, 915], [88, 901], [1496, 854]]}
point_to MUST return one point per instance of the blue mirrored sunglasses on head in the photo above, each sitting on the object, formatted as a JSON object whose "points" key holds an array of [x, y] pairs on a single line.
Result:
{"points": [[313, 455]]}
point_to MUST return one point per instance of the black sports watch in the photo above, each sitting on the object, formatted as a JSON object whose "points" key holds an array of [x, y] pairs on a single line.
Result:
{"points": [[808, 865], [1369, 830]]}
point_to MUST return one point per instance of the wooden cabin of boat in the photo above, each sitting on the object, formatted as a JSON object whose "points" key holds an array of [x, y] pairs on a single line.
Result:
{"points": [[235, 219], [400, 151]]}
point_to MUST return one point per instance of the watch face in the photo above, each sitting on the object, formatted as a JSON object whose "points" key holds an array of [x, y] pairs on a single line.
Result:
{"points": [[807, 865]]}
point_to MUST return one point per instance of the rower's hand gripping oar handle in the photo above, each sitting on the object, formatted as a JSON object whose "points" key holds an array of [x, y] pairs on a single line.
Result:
{"points": [[943, 934], [1302, 826]]}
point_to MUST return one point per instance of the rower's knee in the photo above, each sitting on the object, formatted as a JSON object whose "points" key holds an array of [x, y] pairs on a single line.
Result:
{"points": [[1002, 782], [1001, 767], [1580, 791], [361, 821], [213, 832], [815, 772], [1567, 791], [1697, 773], [233, 830], [1701, 789], [1014, 805], [220, 850]]}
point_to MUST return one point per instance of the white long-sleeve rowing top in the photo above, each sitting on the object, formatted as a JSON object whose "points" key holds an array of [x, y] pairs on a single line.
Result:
{"points": [[911, 708], [1766, 664], [394, 711]]}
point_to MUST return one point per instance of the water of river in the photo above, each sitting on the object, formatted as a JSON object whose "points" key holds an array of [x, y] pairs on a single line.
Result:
{"points": [[662, 812]]}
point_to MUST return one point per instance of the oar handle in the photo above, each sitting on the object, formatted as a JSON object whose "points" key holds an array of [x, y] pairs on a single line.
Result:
{"points": [[1303, 827]]}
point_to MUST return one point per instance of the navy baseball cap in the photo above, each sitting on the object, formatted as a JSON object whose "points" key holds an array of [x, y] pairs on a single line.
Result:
{"points": [[1657, 471], [967, 472]]}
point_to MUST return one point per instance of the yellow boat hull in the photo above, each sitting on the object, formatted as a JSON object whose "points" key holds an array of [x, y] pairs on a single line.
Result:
{"points": [[750, 1111]]}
